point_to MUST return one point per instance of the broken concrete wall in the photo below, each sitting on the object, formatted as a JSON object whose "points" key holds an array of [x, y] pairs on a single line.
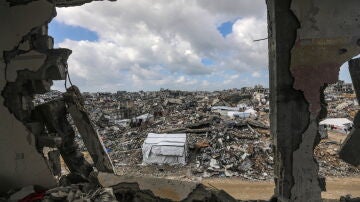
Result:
{"points": [[128, 188], [308, 42], [28, 64], [350, 150], [21, 163], [321, 47]]}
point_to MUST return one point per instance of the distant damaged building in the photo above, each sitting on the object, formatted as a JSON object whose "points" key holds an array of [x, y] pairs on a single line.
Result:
{"points": [[340, 87]]}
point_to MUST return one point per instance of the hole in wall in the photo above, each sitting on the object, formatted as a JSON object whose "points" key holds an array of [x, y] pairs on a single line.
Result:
{"points": [[209, 159], [176, 78], [209, 62], [341, 108]]}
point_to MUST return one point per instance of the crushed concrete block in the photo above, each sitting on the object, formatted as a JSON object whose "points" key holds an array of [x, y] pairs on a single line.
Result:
{"points": [[87, 130], [175, 190]]}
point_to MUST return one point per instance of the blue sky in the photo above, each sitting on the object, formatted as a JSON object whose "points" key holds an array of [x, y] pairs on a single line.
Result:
{"points": [[226, 28], [63, 32], [344, 73], [153, 44], [60, 32]]}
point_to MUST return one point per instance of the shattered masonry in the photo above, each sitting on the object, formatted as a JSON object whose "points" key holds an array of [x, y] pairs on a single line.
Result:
{"points": [[29, 64], [306, 50], [220, 144]]}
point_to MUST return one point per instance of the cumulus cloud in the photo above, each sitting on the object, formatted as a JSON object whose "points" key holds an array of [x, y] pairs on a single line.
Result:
{"points": [[149, 44], [256, 74]]}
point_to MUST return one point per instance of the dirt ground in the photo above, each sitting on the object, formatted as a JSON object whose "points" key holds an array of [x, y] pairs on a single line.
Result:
{"points": [[337, 137], [245, 190]]}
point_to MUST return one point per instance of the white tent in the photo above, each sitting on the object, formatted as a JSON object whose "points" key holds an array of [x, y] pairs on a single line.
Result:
{"points": [[342, 125], [224, 108], [245, 114], [340, 122], [233, 114], [165, 149], [145, 117], [251, 111]]}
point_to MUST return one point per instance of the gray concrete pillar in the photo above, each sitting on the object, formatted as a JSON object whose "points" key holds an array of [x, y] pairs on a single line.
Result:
{"points": [[289, 112]]}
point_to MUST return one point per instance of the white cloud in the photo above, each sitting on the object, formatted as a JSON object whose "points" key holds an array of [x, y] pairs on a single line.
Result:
{"points": [[148, 44], [256, 74]]}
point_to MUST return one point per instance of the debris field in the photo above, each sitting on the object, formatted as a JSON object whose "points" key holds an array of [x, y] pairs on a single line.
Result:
{"points": [[223, 141]]}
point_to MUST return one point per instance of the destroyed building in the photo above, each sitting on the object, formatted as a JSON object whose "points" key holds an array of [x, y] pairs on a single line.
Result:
{"points": [[220, 144], [340, 87], [308, 42], [213, 134]]}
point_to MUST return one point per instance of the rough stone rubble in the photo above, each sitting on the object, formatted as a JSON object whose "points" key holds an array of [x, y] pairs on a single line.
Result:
{"points": [[220, 145], [306, 50]]}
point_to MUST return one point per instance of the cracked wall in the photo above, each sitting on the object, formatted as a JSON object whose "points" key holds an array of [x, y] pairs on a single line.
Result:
{"points": [[28, 64], [21, 163], [308, 42]]}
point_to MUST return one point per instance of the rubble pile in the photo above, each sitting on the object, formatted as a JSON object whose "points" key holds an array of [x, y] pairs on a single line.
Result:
{"points": [[219, 145], [329, 161], [341, 101], [228, 155], [47, 97], [79, 192], [64, 192], [227, 131]]}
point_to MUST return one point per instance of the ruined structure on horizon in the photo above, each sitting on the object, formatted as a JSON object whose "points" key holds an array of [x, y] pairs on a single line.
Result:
{"points": [[308, 42]]}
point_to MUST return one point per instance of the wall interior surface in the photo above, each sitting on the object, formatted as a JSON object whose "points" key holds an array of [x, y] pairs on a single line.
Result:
{"points": [[21, 164], [308, 42], [28, 64]]}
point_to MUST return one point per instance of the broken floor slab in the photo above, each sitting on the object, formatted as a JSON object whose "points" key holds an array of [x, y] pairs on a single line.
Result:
{"points": [[164, 188], [160, 189], [92, 140]]}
